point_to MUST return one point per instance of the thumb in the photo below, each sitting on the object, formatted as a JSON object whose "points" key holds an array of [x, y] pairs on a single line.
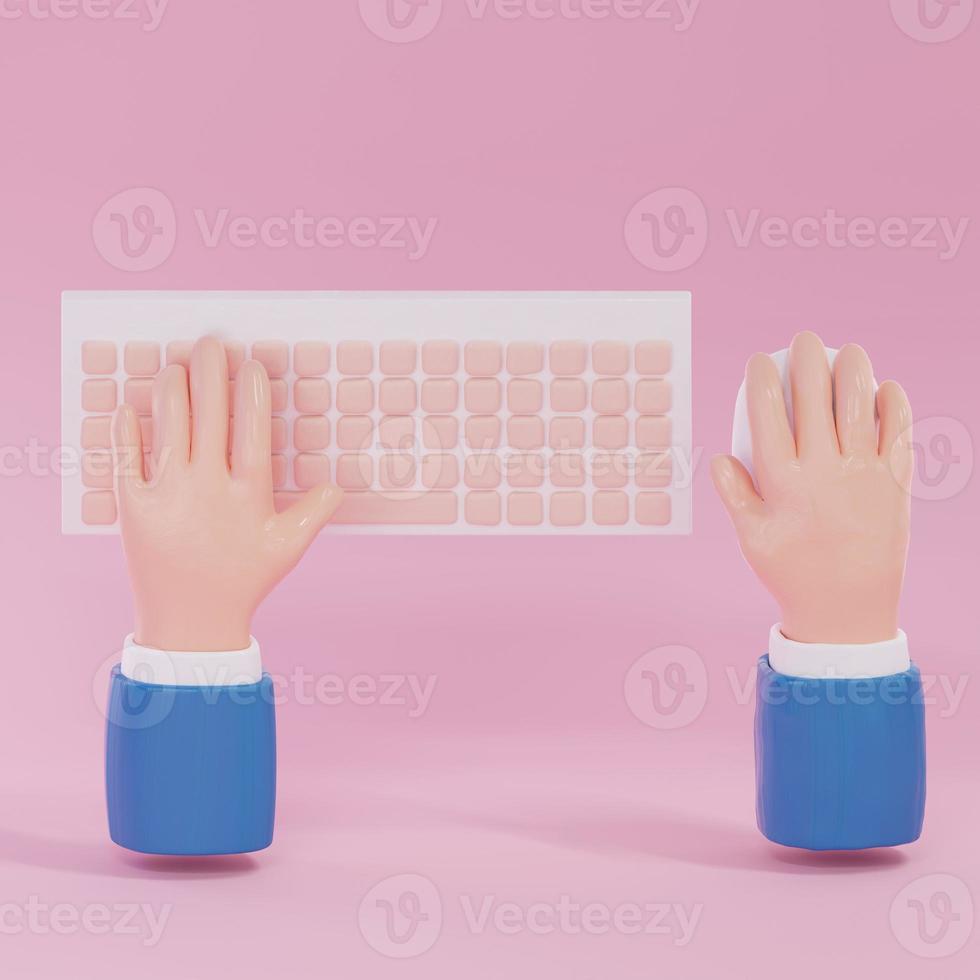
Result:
{"points": [[305, 519], [736, 489]]}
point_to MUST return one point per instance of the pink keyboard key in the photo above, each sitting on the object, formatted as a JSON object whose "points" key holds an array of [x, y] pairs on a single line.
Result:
{"points": [[440, 471], [311, 433], [311, 396], [138, 392], [654, 469], [311, 358], [310, 470], [567, 509], [355, 471], [483, 508], [279, 394], [482, 395], [610, 507], [398, 357], [525, 469], [273, 355], [97, 470], [141, 358], [482, 472], [652, 397], [440, 395], [566, 433], [567, 470], [440, 432], [610, 432], [396, 471], [355, 396], [653, 509], [97, 432], [525, 357], [610, 357], [525, 509], [482, 432], [568, 395], [235, 353], [610, 470], [355, 432], [99, 507], [99, 357], [397, 432], [398, 396], [525, 432], [653, 432], [654, 357], [355, 357], [398, 507], [524, 396], [568, 357], [483, 358], [440, 357], [98, 395], [179, 352], [610, 396], [278, 435]]}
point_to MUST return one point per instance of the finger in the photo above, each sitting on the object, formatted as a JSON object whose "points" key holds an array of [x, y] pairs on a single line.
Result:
{"points": [[251, 452], [813, 407], [854, 403], [127, 444], [772, 441], [736, 489], [895, 431], [301, 523], [171, 419], [209, 403]]}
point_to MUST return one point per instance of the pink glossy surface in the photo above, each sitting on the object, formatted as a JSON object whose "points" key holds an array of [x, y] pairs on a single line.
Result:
{"points": [[527, 776]]}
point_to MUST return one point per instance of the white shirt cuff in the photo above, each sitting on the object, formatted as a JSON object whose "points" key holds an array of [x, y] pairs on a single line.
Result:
{"points": [[190, 668], [824, 660]]}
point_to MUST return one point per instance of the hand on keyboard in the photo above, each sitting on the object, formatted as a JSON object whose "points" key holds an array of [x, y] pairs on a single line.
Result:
{"points": [[827, 532], [203, 542]]}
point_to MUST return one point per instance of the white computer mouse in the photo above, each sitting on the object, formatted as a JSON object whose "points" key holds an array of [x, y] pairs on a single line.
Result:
{"points": [[741, 434]]}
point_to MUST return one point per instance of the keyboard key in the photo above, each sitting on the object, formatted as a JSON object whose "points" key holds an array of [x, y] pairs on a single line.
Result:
{"points": [[311, 358], [398, 357], [310, 470], [610, 470], [610, 357], [610, 507], [312, 395], [483, 507], [482, 472], [525, 469], [398, 507], [355, 357], [568, 357], [566, 433], [440, 395], [610, 432], [568, 395], [398, 396], [525, 357], [99, 507], [482, 395], [98, 395], [482, 432], [97, 432], [653, 397], [397, 471], [99, 357], [440, 432], [654, 469], [440, 471], [653, 509], [141, 358], [273, 355], [525, 509], [311, 433], [653, 432], [524, 396], [440, 357], [138, 392], [654, 357], [567, 470], [355, 432], [355, 396], [397, 432], [567, 509], [355, 471], [483, 358], [525, 432], [610, 396]]}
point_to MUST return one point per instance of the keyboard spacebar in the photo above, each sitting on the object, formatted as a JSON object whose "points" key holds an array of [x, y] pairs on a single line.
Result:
{"points": [[394, 507]]}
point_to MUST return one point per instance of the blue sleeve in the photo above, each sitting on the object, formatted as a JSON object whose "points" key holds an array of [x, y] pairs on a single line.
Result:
{"points": [[191, 770], [840, 763]]}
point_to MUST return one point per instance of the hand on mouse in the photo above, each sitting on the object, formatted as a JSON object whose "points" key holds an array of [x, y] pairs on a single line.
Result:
{"points": [[827, 531], [203, 542]]}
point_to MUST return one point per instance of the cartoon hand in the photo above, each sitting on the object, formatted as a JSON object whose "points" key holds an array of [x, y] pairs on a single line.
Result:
{"points": [[202, 540], [828, 530]]}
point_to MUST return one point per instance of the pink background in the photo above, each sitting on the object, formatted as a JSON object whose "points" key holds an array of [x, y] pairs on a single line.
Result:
{"points": [[528, 777]]}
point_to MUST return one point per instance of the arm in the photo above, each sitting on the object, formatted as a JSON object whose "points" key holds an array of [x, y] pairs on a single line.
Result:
{"points": [[190, 752], [826, 530]]}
